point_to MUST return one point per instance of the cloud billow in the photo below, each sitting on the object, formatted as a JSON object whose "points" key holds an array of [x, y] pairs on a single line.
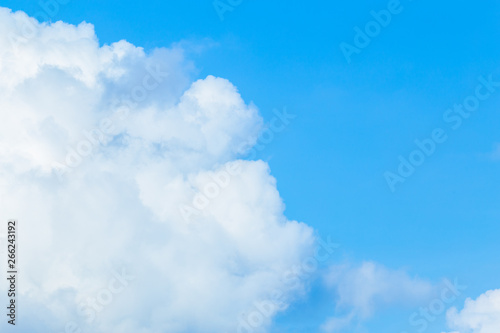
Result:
{"points": [[99, 147]]}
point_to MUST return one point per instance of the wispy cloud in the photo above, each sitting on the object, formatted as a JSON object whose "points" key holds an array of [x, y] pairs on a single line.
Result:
{"points": [[362, 290]]}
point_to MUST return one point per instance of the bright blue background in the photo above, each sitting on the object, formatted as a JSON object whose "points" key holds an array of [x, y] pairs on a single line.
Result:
{"points": [[354, 120]]}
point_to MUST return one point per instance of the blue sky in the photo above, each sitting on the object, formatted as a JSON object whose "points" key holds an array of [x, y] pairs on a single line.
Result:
{"points": [[353, 121]]}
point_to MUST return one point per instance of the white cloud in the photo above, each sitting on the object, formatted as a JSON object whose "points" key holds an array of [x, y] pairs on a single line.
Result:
{"points": [[154, 140], [478, 316], [362, 290]]}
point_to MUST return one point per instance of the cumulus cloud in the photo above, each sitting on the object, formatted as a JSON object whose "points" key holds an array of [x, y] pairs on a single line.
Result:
{"points": [[100, 148], [361, 290], [481, 315]]}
